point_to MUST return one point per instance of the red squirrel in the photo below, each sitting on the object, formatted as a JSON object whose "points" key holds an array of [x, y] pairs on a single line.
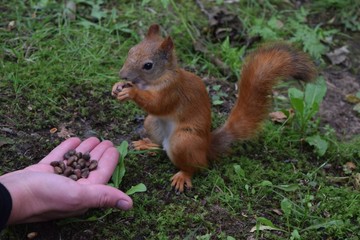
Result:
{"points": [[178, 103]]}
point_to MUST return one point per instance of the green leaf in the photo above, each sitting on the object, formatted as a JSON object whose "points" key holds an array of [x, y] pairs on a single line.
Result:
{"points": [[314, 93], [216, 87], [135, 189], [288, 188], [265, 221], [239, 171], [217, 102], [357, 108], [320, 144], [120, 168], [295, 235], [337, 223], [296, 99], [265, 183], [286, 206], [123, 149], [97, 13]]}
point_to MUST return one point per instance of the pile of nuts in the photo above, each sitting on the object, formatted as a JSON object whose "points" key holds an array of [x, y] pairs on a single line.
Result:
{"points": [[75, 165]]}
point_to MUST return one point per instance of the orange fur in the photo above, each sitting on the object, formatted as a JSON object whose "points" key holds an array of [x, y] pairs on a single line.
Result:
{"points": [[179, 106]]}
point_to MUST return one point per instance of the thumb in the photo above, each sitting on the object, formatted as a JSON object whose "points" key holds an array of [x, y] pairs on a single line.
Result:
{"points": [[99, 196]]}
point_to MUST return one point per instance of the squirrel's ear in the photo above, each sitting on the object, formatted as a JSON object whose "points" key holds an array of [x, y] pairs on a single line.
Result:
{"points": [[154, 30], [167, 45]]}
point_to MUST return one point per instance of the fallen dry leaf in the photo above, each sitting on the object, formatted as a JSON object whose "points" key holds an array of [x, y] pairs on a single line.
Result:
{"points": [[357, 181], [352, 98], [64, 132], [278, 212], [11, 25], [278, 116], [32, 235], [338, 179], [70, 10], [338, 56], [350, 165], [53, 130]]}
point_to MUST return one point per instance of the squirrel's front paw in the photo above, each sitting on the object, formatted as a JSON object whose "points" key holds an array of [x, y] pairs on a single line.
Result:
{"points": [[126, 94], [123, 91], [120, 86]]}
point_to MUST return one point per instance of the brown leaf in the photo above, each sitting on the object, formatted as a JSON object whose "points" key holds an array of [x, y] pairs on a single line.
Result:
{"points": [[357, 181], [64, 132], [352, 98], [70, 10], [350, 165], [53, 130], [11, 25], [278, 116], [338, 56], [278, 212]]}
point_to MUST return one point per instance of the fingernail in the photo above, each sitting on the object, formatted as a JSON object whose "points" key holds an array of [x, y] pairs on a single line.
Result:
{"points": [[123, 204]]}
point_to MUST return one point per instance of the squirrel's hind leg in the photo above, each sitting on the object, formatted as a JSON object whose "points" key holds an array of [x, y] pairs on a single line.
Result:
{"points": [[153, 127], [188, 152]]}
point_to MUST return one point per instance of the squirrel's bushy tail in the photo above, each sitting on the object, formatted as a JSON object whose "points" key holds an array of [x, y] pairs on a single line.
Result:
{"points": [[261, 70]]}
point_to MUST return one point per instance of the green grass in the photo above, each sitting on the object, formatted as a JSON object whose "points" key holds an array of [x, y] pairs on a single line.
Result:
{"points": [[58, 72]]}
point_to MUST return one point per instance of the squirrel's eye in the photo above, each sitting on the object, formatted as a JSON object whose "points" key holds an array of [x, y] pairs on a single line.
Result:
{"points": [[148, 66]]}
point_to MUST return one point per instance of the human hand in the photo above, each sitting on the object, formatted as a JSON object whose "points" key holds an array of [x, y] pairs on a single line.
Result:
{"points": [[38, 194]]}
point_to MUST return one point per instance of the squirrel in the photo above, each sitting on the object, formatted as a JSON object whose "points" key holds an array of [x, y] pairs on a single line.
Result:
{"points": [[178, 104]]}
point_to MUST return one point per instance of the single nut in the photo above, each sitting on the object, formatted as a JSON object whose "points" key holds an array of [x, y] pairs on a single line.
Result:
{"points": [[82, 163], [62, 165], [93, 165], [55, 163], [79, 155], [68, 171], [66, 156], [72, 152], [85, 173], [58, 170], [73, 177], [71, 160], [77, 166], [77, 172], [86, 156]]}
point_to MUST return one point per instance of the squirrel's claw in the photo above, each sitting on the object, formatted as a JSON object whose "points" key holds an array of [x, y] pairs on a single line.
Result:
{"points": [[180, 180], [145, 144]]}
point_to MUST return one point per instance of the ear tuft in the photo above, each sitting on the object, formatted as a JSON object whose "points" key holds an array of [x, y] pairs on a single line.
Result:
{"points": [[167, 45], [154, 30]]}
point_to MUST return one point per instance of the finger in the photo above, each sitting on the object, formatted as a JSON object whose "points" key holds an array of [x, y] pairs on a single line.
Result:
{"points": [[57, 153], [88, 145], [99, 196], [105, 168]]}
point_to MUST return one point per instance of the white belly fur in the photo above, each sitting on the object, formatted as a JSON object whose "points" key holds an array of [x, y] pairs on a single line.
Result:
{"points": [[168, 128]]}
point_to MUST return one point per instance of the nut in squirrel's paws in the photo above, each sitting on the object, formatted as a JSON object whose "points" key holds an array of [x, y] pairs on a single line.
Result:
{"points": [[118, 87], [180, 180]]}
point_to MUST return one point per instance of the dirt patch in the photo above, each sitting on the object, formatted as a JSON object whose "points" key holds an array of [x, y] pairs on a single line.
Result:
{"points": [[335, 110], [343, 79]]}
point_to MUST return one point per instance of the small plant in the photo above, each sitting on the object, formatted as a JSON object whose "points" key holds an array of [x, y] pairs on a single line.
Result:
{"points": [[217, 97], [120, 171], [306, 104]]}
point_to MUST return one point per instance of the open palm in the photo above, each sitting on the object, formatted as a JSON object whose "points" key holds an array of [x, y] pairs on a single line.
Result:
{"points": [[39, 195]]}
